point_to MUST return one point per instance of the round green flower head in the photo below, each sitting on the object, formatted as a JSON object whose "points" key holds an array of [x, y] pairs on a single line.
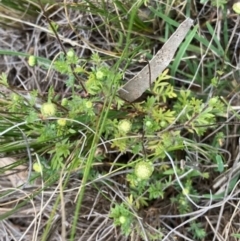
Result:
{"points": [[236, 7], [15, 97], [64, 102], [89, 104], [163, 123], [99, 75], [122, 219], [185, 191], [48, 109], [37, 167], [124, 126], [70, 53], [144, 169], [148, 123], [32, 60], [61, 122]]}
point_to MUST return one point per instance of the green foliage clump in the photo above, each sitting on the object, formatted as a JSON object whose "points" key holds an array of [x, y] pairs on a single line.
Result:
{"points": [[198, 232], [153, 131], [122, 217]]}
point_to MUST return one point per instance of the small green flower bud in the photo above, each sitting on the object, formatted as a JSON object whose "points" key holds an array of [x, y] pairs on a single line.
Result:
{"points": [[89, 104], [163, 123], [122, 219], [48, 109], [32, 60], [183, 202], [236, 7], [37, 167], [148, 123], [99, 74], [64, 102], [15, 97], [213, 101], [185, 191], [70, 53], [143, 170]]}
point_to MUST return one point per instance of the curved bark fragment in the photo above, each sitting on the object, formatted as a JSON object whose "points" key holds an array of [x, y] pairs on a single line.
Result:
{"points": [[135, 87]]}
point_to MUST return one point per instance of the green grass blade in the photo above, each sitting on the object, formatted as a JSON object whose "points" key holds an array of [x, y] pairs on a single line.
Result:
{"points": [[206, 43], [182, 50], [43, 61], [220, 50], [164, 17], [99, 128]]}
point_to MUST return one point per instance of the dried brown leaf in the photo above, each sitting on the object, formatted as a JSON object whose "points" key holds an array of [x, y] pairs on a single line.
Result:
{"points": [[18, 176], [135, 87]]}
